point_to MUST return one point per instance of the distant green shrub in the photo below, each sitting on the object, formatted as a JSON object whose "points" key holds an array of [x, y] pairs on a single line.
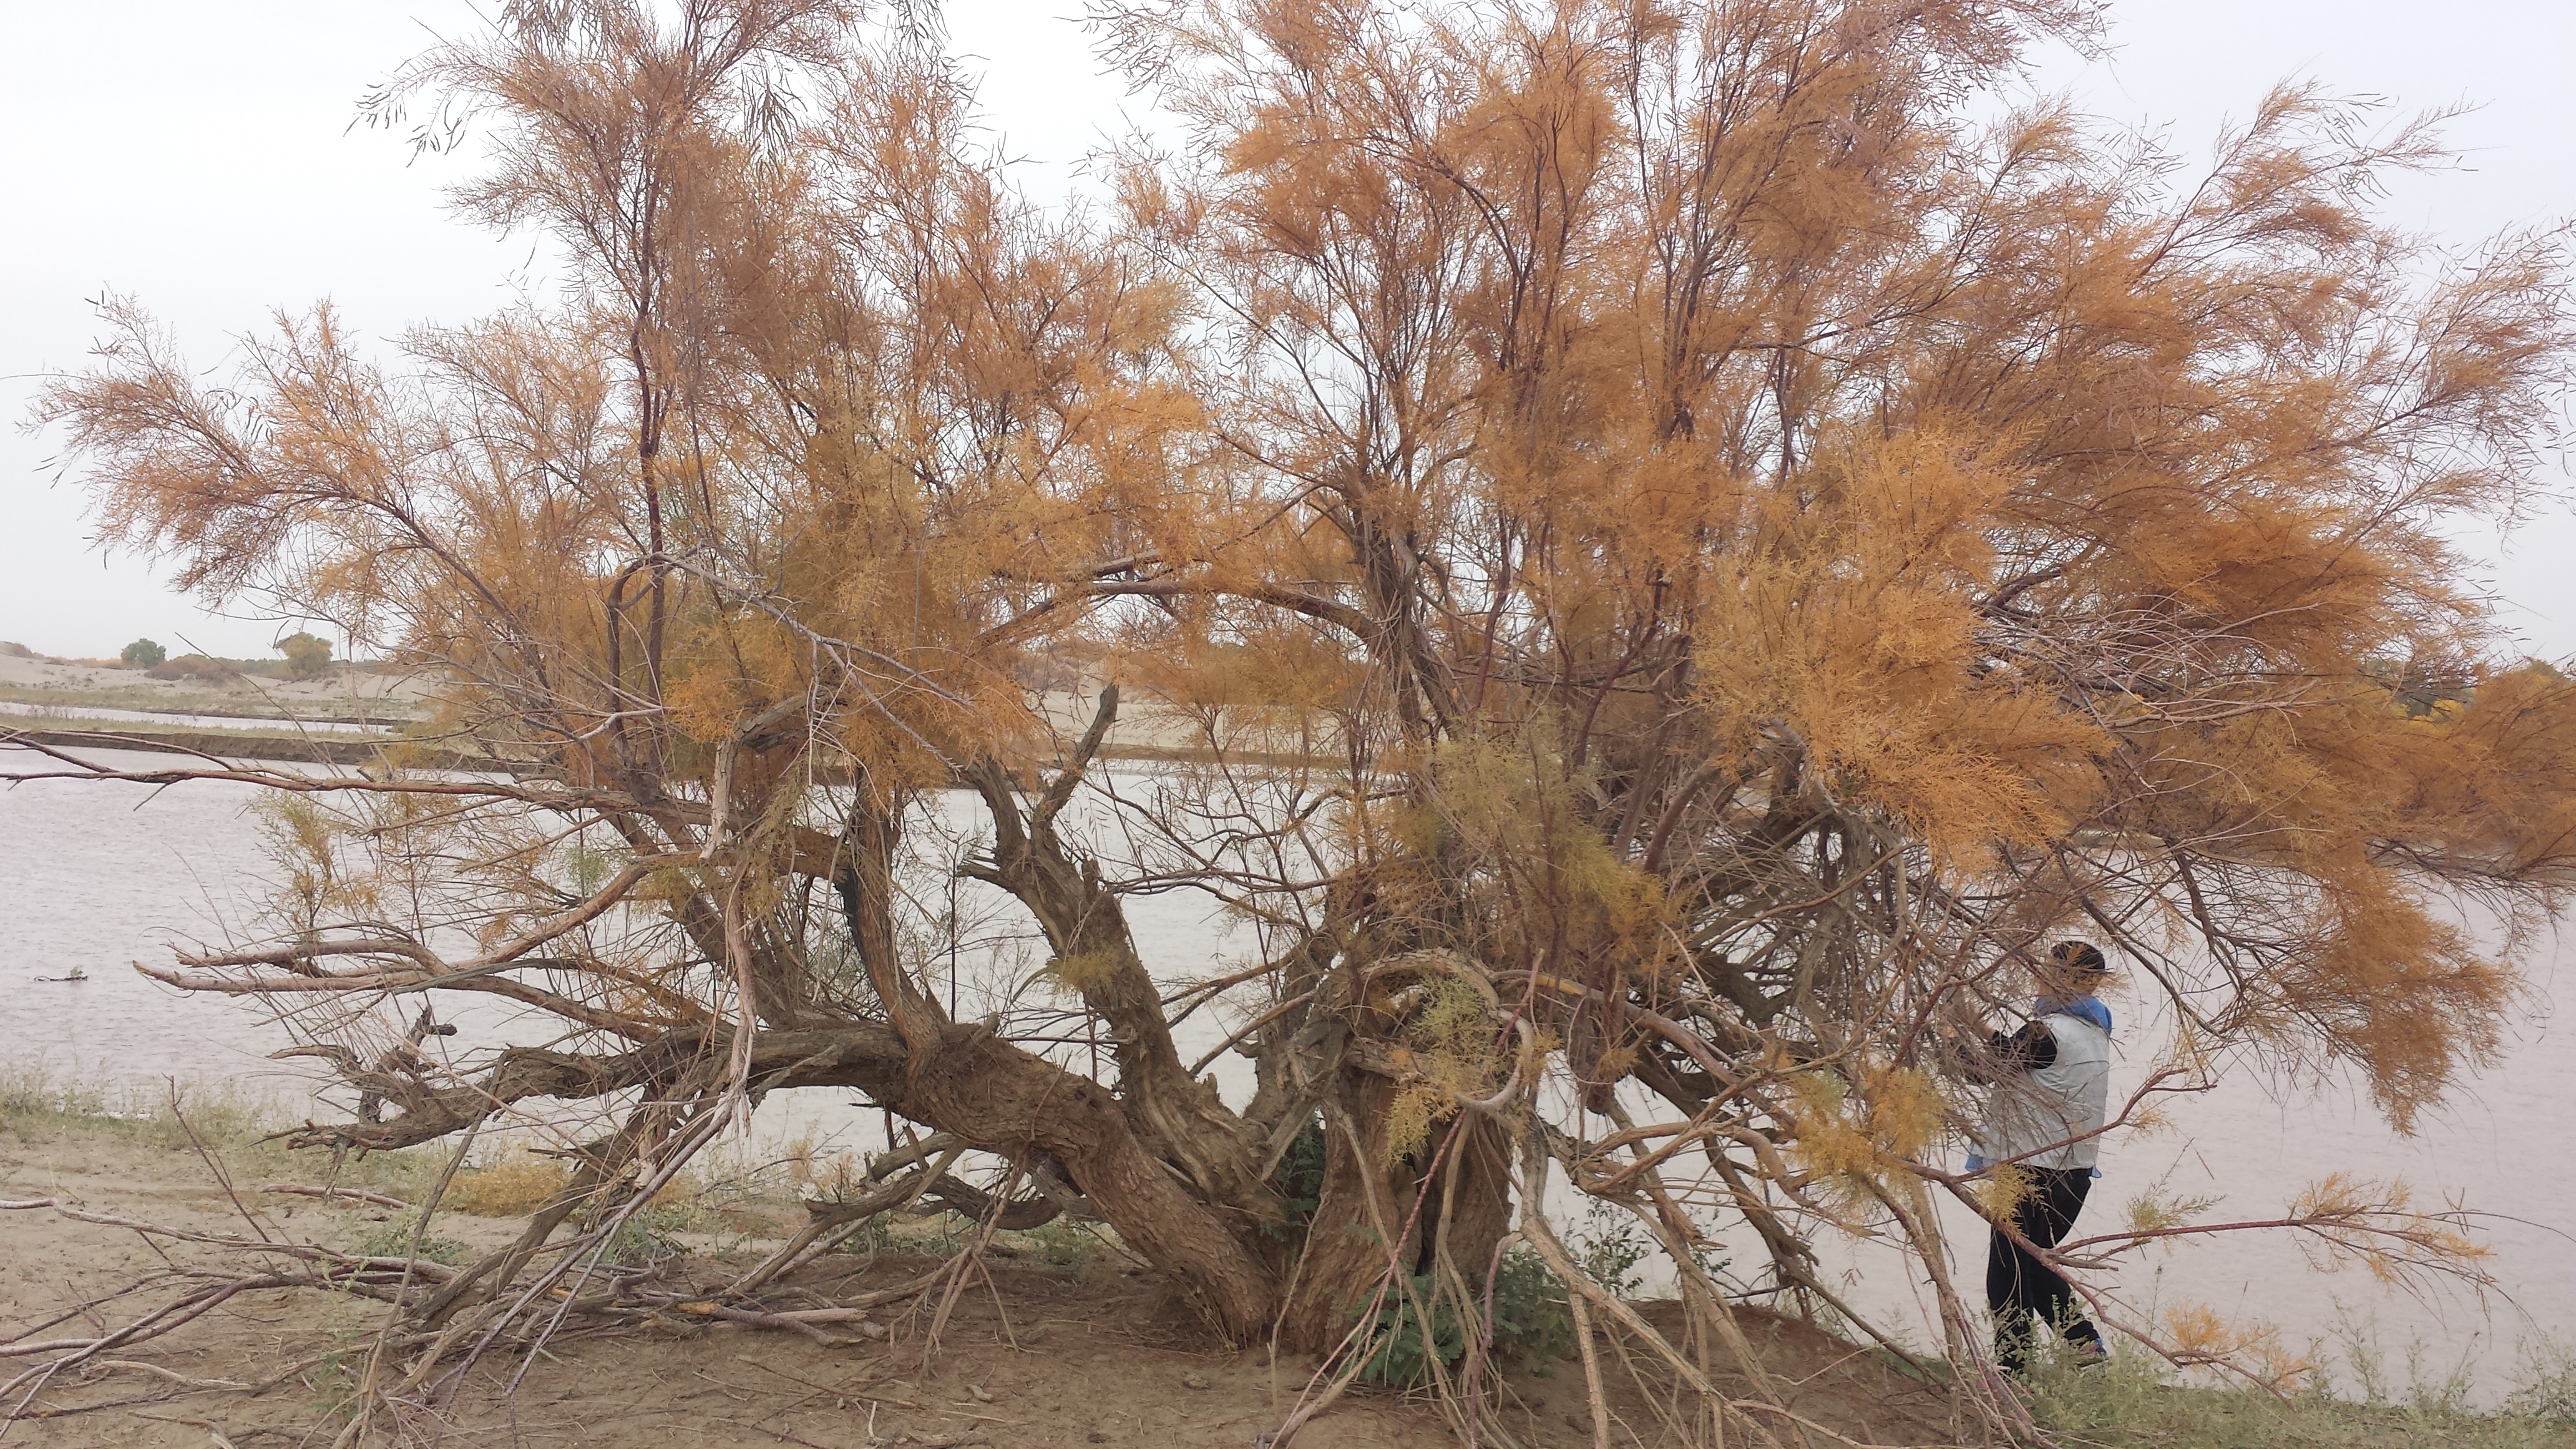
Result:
{"points": [[649, 1236], [308, 656], [194, 666], [1065, 1243], [143, 654]]}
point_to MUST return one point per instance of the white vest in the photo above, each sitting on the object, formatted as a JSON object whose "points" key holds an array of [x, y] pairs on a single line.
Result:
{"points": [[2035, 1117]]}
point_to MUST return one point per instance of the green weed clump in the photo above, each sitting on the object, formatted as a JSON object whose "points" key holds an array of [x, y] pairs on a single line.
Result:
{"points": [[393, 1240], [648, 1236], [33, 1100], [1612, 1249], [1531, 1322], [1410, 1332], [1064, 1243], [2545, 1384], [38, 1105], [2132, 1402]]}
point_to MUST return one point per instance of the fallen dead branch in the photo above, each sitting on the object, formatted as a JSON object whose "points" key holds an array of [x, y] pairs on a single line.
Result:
{"points": [[183, 1293], [171, 1375], [348, 1194]]}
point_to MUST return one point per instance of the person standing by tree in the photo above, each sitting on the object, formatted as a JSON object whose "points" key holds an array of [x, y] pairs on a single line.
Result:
{"points": [[2045, 1122]]}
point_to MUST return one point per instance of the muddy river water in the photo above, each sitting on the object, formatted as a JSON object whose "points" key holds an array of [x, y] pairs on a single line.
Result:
{"points": [[95, 877]]}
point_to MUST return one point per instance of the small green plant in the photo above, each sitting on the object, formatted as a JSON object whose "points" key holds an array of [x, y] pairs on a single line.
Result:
{"points": [[645, 1238], [2361, 1355], [2545, 1381], [1065, 1244], [334, 1380], [1532, 1321], [950, 1231], [1403, 1347], [393, 1240], [1609, 1247], [2436, 1398], [142, 654], [874, 1236], [2070, 1394], [1299, 1179]]}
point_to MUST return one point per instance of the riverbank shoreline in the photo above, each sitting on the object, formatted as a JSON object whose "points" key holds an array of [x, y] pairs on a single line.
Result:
{"points": [[220, 746], [276, 747], [1067, 1341], [1075, 1345]]}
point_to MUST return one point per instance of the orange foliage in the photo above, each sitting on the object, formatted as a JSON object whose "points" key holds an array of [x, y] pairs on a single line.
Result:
{"points": [[1687, 519]]}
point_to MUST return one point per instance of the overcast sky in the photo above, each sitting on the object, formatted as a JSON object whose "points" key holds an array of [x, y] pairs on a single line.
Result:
{"points": [[200, 156]]}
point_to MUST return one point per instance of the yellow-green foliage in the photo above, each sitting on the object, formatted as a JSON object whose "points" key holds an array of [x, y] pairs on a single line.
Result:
{"points": [[2156, 1210], [2002, 1190], [1083, 970], [1453, 1040], [1510, 800], [1849, 1132], [305, 842]]}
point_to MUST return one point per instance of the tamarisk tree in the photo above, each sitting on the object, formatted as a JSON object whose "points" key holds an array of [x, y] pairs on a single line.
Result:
{"points": [[1666, 548]]}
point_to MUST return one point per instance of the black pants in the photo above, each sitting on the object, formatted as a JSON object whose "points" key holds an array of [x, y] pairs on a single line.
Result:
{"points": [[2019, 1287]]}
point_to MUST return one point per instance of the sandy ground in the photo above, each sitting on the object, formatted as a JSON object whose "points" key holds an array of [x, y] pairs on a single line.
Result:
{"points": [[1047, 1356], [40, 680]]}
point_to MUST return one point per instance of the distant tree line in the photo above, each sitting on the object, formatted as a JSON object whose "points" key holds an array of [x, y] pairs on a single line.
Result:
{"points": [[308, 656]]}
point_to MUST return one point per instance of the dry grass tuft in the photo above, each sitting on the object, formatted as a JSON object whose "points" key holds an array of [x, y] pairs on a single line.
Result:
{"points": [[39, 1105], [513, 1186]]}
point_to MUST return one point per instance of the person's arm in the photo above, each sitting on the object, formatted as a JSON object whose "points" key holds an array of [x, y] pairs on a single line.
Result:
{"points": [[2031, 1049]]}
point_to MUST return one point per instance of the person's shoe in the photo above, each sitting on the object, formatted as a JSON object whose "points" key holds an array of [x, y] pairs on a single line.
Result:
{"points": [[2088, 1353]]}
